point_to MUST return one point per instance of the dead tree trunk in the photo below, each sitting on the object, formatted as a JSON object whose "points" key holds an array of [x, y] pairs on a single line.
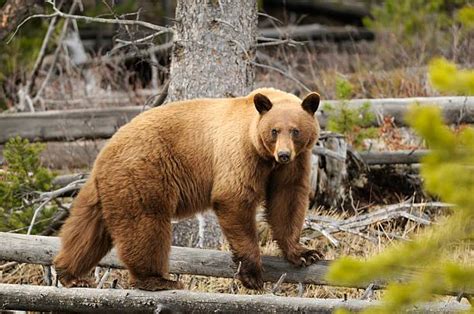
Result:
{"points": [[329, 177], [214, 47], [40, 298]]}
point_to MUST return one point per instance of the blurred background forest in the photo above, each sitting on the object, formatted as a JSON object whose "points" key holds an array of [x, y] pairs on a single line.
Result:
{"points": [[345, 50], [378, 48]]}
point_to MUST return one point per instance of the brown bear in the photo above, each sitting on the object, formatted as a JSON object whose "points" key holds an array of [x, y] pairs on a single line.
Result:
{"points": [[171, 162]]}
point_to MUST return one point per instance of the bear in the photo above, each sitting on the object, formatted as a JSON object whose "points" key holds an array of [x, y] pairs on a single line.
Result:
{"points": [[230, 155]]}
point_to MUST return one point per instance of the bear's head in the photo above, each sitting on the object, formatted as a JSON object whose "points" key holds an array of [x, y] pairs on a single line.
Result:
{"points": [[287, 125]]}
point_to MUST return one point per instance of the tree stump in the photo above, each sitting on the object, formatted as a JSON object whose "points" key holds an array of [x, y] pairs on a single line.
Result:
{"points": [[329, 171]]}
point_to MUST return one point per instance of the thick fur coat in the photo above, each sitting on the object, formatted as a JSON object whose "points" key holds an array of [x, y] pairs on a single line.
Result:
{"points": [[230, 155]]}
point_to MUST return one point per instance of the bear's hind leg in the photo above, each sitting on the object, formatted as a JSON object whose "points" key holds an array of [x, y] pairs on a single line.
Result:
{"points": [[144, 248], [84, 239]]}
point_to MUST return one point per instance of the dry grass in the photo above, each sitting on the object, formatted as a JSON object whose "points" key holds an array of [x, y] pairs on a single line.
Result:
{"points": [[379, 69]]}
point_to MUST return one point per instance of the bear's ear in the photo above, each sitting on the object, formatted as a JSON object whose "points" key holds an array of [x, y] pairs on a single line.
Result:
{"points": [[262, 103], [311, 103]]}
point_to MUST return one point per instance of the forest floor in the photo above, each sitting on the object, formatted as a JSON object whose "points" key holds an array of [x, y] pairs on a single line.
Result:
{"points": [[379, 69]]}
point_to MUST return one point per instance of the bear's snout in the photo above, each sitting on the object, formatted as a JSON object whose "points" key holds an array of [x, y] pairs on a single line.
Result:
{"points": [[284, 156]]}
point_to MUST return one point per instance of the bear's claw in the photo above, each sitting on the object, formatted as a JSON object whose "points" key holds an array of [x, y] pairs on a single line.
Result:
{"points": [[304, 258], [79, 283]]}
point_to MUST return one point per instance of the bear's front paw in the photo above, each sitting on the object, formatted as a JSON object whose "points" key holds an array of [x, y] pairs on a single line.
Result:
{"points": [[251, 276], [79, 283], [303, 257], [155, 283]]}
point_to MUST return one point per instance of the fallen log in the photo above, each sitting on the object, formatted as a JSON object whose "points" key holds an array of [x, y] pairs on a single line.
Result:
{"points": [[317, 32], [395, 157], [41, 250], [455, 109], [66, 124], [102, 123], [42, 298], [345, 10]]}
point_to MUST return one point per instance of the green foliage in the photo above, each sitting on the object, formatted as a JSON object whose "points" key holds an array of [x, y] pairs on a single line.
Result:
{"points": [[18, 56], [446, 77], [344, 89], [466, 16], [448, 172], [21, 179], [354, 123], [415, 20]]}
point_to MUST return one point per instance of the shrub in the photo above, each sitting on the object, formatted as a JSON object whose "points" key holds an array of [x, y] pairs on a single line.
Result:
{"points": [[415, 22], [353, 123], [448, 172], [22, 177]]}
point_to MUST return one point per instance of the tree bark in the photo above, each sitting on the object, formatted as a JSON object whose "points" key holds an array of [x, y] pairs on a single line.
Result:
{"points": [[13, 12], [214, 45], [332, 178]]}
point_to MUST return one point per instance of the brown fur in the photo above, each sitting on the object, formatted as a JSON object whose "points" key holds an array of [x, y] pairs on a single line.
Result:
{"points": [[183, 158]]}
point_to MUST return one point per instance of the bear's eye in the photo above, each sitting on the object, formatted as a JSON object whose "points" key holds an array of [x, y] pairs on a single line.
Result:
{"points": [[274, 132], [295, 132]]}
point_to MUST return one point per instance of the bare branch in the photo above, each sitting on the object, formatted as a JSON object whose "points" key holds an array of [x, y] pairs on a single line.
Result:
{"points": [[37, 211], [49, 196], [232, 283], [46, 16], [75, 185], [104, 278], [88, 19], [140, 40], [327, 225], [56, 55], [265, 66], [267, 41], [369, 292], [41, 54], [277, 285], [108, 21]]}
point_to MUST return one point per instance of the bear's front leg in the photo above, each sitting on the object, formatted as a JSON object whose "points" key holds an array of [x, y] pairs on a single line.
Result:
{"points": [[237, 221], [286, 203]]}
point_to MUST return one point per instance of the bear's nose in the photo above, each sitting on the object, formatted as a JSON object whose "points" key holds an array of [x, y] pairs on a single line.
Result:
{"points": [[284, 156]]}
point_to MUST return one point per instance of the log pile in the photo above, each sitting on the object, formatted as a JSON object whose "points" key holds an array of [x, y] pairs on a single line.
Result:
{"points": [[40, 250]]}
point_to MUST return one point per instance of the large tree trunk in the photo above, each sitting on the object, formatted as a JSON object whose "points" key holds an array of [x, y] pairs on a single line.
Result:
{"points": [[212, 56], [213, 49], [14, 12]]}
